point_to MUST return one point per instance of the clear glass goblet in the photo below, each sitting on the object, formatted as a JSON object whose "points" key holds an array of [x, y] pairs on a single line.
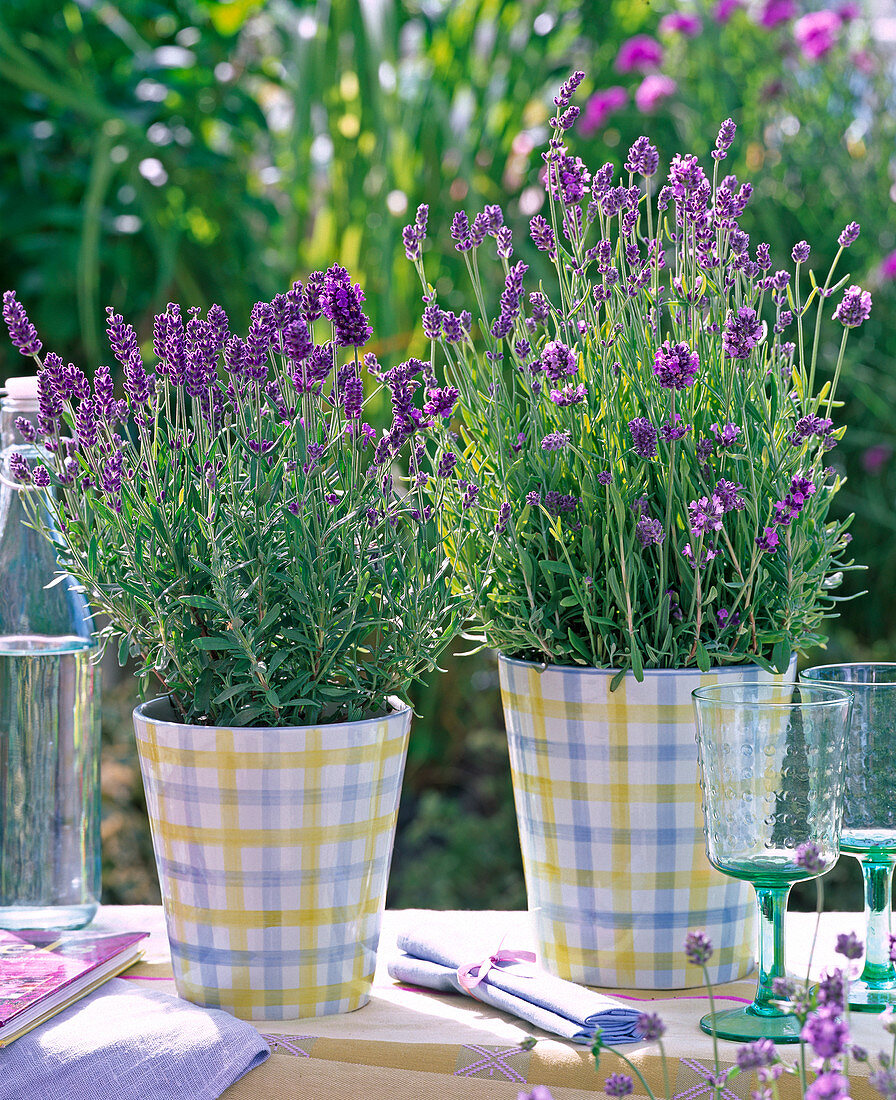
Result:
{"points": [[772, 759], [869, 813]]}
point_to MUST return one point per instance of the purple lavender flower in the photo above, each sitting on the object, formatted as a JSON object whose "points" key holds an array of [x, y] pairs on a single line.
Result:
{"points": [[675, 366], [644, 437], [762, 1052], [447, 463], [511, 299], [557, 503], [503, 518], [829, 1086], [504, 239], [452, 328], [567, 89], [831, 990], [643, 158], [235, 356], [542, 234], [650, 1026], [555, 441], [103, 389], [312, 297], [826, 1034], [21, 332], [808, 426], [539, 307], [415, 234], [727, 494], [850, 946], [352, 397], [649, 532], [18, 467], [768, 541], [742, 333], [471, 492], [86, 427], [605, 477], [432, 321], [533, 498], [726, 435], [855, 307], [723, 142], [122, 338], [26, 429], [849, 236], [342, 305], [571, 394], [479, 230], [673, 429], [705, 514], [800, 252], [460, 232], [40, 476], [557, 360], [441, 402], [808, 856], [697, 948], [619, 1084]]}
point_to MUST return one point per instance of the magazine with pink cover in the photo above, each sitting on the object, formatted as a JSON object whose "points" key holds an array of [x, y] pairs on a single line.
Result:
{"points": [[37, 965]]}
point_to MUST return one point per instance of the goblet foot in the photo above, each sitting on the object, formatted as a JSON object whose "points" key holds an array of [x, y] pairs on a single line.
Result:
{"points": [[747, 1024], [871, 996]]}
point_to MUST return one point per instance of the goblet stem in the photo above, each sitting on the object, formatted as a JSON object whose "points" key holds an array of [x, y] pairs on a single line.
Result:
{"points": [[878, 876], [772, 906]]}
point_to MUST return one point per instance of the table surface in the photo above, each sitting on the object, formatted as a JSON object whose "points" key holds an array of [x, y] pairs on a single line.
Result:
{"points": [[408, 1044]]}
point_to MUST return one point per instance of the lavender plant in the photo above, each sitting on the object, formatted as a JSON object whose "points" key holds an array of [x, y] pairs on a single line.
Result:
{"points": [[250, 538], [648, 437]]}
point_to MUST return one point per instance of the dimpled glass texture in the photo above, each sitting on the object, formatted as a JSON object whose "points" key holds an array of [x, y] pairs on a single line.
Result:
{"points": [[869, 814], [772, 759]]}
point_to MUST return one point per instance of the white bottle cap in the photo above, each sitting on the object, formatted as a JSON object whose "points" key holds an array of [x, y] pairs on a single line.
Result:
{"points": [[23, 388]]}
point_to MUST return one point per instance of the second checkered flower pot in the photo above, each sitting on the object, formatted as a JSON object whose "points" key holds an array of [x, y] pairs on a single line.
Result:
{"points": [[608, 802], [273, 849]]}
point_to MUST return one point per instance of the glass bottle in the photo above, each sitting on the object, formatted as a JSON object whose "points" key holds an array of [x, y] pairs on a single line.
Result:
{"points": [[49, 710]]}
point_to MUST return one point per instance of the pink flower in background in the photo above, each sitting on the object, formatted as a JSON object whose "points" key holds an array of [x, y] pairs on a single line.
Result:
{"points": [[724, 9], [816, 33], [680, 22], [639, 53], [599, 108], [774, 12], [849, 11], [864, 62], [875, 458], [888, 266], [654, 88]]}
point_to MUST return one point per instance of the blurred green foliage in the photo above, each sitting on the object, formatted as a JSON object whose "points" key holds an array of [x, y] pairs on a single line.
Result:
{"points": [[203, 151]]}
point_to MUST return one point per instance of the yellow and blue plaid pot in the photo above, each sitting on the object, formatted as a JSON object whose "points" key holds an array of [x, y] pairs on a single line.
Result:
{"points": [[273, 849], [608, 802]]}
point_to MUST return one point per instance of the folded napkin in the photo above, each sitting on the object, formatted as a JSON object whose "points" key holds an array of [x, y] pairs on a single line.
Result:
{"points": [[437, 957], [127, 1043]]}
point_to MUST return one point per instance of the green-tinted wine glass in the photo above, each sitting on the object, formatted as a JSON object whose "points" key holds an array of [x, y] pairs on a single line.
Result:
{"points": [[869, 813], [772, 759]]}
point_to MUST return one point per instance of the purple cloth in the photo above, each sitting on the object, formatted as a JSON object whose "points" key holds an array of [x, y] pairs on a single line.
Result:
{"points": [[127, 1043]]}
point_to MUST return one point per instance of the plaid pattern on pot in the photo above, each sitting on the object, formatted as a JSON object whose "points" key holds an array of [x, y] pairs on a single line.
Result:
{"points": [[273, 849], [607, 796]]}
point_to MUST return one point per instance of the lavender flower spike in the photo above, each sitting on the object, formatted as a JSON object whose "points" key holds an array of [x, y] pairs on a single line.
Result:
{"points": [[342, 305], [644, 437], [22, 333], [854, 308], [849, 236], [723, 142]]}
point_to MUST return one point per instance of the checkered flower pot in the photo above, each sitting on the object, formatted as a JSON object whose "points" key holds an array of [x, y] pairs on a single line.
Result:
{"points": [[608, 803], [273, 849]]}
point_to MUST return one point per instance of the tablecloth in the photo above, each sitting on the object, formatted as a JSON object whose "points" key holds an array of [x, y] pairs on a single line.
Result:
{"points": [[408, 1044]]}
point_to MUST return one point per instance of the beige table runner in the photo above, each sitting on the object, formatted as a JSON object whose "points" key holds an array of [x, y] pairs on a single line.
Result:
{"points": [[408, 1044]]}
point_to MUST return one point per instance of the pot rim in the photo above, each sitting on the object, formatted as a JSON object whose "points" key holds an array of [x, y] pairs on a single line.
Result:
{"points": [[713, 670], [398, 710]]}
